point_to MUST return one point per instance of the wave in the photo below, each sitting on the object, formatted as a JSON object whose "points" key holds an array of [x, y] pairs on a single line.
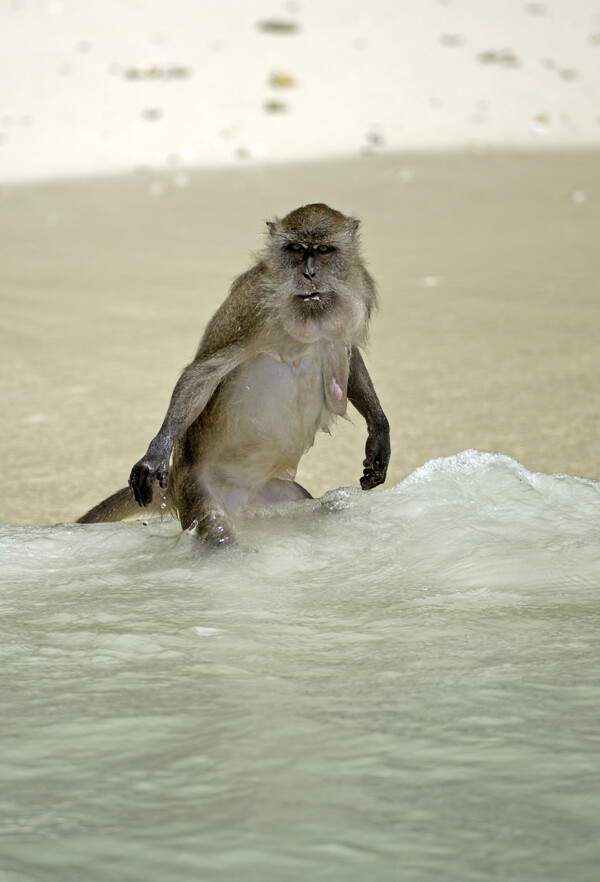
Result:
{"points": [[473, 520]]}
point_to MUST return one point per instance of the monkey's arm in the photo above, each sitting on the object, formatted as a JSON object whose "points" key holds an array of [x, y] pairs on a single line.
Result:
{"points": [[364, 398], [224, 345], [192, 393]]}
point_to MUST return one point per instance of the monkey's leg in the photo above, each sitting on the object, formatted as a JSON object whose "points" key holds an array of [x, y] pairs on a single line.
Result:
{"points": [[197, 505], [277, 490]]}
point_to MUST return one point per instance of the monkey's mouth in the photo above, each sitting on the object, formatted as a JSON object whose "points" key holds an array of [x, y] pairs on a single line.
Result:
{"points": [[314, 303]]}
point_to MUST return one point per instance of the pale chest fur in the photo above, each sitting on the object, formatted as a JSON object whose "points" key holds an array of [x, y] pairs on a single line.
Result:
{"points": [[272, 408]]}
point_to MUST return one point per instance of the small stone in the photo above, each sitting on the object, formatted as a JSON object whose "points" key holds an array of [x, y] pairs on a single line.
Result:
{"points": [[540, 124], [275, 107], [279, 79], [452, 40], [278, 26]]}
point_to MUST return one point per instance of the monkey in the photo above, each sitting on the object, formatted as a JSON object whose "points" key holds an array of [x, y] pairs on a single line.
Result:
{"points": [[278, 361]]}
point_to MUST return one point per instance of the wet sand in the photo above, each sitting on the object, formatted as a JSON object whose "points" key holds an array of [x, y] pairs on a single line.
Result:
{"points": [[487, 338]]}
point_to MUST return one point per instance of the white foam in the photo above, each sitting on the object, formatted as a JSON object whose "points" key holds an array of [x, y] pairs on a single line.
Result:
{"points": [[468, 521]]}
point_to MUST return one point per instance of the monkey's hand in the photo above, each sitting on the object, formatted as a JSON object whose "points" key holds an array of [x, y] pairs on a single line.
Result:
{"points": [[152, 467], [377, 458]]}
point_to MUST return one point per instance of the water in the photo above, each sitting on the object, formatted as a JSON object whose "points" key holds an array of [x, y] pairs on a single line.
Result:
{"points": [[395, 685]]}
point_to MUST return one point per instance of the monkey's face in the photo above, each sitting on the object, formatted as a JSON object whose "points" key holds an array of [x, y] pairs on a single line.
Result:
{"points": [[313, 264]]}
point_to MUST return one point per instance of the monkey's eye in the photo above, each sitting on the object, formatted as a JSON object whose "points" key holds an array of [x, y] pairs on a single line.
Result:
{"points": [[324, 249], [295, 246]]}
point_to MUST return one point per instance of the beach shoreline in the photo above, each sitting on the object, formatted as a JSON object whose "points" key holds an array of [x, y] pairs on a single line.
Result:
{"points": [[486, 339]]}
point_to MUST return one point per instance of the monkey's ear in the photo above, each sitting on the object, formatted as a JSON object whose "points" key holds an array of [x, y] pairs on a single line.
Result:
{"points": [[355, 224], [271, 225]]}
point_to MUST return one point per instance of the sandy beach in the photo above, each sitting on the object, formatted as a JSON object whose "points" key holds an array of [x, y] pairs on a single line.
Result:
{"points": [[106, 86], [405, 678], [142, 148], [486, 338]]}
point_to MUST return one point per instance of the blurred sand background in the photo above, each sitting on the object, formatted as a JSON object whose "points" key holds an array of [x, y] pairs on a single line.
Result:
{"points": [[142, 146]]}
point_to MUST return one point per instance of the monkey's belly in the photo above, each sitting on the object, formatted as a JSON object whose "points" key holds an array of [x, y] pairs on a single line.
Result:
{"points": [[268, 417]]}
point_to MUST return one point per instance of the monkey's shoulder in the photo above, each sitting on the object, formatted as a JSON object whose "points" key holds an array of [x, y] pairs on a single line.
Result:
{"points": [[240, 314]]}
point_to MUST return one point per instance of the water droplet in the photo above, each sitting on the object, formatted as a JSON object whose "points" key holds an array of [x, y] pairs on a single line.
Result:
{"points": [[578, 197], [181, 180], [156, 188], [431, 281]]}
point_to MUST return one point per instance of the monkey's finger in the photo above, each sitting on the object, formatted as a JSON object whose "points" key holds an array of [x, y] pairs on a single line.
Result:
{"points": [[162, 476], [140, 482], [146, 486], [366, 482], [372, 478]]}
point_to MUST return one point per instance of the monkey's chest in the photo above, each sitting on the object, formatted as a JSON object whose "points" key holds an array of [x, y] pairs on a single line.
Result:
{"points": [[273, 407], [280, 396]]}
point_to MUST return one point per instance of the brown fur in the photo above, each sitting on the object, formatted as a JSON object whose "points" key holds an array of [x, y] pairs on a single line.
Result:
{"points": [[277, 361]]}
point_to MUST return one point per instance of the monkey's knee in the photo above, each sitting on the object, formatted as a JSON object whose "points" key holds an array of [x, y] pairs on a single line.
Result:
{"points": [[214, 528], [199, 508], [278, 490]]}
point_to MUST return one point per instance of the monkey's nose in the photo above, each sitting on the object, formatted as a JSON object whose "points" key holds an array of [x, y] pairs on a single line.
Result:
{"points": [[309, 267]]}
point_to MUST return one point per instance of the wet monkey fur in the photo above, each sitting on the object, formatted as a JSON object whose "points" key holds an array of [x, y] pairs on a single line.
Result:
{"points": [[277, 362]]}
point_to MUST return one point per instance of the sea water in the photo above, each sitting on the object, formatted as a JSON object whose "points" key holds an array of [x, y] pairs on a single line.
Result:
{"points": [[397, 685]]}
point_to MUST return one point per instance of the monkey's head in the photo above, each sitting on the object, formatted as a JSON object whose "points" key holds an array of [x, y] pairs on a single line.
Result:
{"points": [[314, 265]]}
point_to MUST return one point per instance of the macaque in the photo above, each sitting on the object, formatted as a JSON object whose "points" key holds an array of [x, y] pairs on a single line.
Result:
{"points": [[278, 361]]}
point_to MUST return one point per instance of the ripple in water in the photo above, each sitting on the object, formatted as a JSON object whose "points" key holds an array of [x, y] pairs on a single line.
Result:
{"points": [[399, 684]]}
